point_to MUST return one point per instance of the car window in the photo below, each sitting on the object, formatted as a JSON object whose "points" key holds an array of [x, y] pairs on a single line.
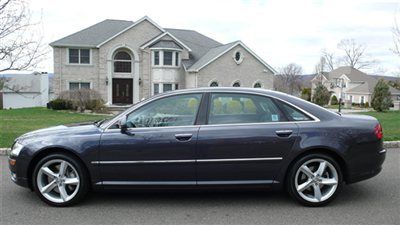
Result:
{"points": [[294, 114], [227, 108], [178, 110]]}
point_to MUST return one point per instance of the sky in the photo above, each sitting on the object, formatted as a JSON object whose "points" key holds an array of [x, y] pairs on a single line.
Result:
{"points": [[279, 31]]}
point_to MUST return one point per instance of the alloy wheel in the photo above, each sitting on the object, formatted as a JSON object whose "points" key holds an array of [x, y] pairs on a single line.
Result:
{"points": [[58, 181], [316, 180]]}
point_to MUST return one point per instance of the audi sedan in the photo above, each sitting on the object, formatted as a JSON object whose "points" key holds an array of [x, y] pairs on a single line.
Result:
{"points": [[203, 138]]}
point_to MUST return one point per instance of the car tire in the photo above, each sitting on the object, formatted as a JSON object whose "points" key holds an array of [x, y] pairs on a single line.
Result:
{"points": [[60, 180], [319, 184]]}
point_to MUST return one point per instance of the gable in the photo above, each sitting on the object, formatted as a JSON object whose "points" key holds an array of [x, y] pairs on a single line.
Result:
{"points": [[217, 52]]}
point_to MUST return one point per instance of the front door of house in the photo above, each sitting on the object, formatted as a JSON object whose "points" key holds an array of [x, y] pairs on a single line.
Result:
{"points": [[122, 91]]}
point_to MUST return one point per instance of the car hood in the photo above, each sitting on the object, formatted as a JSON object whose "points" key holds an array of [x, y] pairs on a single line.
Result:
{"points": [[60, 130]]}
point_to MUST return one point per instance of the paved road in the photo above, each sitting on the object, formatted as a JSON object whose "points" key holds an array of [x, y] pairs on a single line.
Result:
{"points": [[375, 201]]}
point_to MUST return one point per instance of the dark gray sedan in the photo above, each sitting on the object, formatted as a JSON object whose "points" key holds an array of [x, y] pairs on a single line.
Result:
{"points": [[204, 138]]}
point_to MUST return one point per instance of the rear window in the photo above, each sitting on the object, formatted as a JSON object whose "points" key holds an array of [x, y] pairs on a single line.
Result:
{"points": [[293, 113]]}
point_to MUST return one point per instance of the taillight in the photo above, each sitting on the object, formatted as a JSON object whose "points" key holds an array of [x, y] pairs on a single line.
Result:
{"points": [[378, 131]]}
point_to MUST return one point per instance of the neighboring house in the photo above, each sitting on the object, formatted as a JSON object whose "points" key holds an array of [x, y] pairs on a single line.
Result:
{"points": [[127, 61], [357, 86], [24, 90]]}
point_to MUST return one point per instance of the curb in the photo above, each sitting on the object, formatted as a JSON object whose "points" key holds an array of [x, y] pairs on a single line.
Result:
{"points": [[4, 151], [391, 144], [386, 144]]}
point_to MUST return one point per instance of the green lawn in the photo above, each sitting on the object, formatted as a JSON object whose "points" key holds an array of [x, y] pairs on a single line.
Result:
{"points": [[19, 121], [390, 122], [15, 122]]}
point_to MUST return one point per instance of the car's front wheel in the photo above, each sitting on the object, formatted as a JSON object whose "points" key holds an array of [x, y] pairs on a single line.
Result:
{"points": [[314, 180], [60, 180]]}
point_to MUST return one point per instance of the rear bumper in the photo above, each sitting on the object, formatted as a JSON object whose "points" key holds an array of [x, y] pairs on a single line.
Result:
{"points": [[367, 169]]}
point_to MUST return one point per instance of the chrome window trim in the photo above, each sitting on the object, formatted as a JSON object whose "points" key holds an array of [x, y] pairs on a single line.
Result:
{"points": [[185, 161], [182, 92]]}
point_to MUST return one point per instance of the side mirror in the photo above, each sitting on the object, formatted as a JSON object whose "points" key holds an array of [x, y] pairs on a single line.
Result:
{"points": [[122, 125]]}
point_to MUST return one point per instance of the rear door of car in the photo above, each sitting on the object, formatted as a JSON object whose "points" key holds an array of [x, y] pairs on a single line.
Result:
{"points": [[244, 140]]}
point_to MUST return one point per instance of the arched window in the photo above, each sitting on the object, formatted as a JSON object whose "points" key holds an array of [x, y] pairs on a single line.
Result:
{"points": [[237, 56], [122, 62], [257, 85], [236, 84], [214, 84]]}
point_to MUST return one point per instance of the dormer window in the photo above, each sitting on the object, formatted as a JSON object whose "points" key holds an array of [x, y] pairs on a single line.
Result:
{"points": [[166, 58]]}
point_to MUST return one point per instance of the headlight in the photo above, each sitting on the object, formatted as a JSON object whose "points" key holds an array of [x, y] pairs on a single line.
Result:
{"points": [[17, 147]]}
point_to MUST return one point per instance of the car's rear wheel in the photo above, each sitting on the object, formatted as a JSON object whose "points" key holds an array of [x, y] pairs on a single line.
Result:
{"points": [[314, 180], [60, 180]]}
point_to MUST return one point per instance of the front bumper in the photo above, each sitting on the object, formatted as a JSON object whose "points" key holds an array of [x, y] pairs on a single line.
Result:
{"points": [[15, 177]]}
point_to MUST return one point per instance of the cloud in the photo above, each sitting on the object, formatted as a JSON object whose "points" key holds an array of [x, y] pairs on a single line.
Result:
{"points": [[280, 32]]}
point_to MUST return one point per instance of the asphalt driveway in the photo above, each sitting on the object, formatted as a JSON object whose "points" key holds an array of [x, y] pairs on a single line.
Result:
{"points": [[375, 201]]}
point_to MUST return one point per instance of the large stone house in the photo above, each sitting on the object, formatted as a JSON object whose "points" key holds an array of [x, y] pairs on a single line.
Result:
{"points": [[127, 61], [357, 86]]}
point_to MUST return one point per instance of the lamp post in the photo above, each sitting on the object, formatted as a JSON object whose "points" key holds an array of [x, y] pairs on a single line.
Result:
{"points": [[339, 83]]}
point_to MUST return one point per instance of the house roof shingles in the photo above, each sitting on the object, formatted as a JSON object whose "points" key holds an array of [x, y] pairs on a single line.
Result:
{"points": [[93, 35]]}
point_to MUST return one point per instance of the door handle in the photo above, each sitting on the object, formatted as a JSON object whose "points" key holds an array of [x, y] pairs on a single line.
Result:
{"points": [[183, 137], [283, 133]]}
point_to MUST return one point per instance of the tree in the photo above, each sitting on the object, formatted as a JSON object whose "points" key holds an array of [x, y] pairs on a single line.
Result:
{"points": [[329, 60], [394, 84], [354, 54], [396, 38], [306, 94], [20, 47], [321, 95], [321, 66], [289, 80], [381, 97], [334, 100]]}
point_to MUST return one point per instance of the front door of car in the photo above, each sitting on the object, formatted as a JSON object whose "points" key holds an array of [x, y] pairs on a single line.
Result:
{"points": [[158, 146], [245, 140]]}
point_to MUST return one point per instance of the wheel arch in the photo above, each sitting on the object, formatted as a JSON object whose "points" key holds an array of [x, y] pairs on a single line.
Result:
{"points": [[52, 150], [320, 150]]}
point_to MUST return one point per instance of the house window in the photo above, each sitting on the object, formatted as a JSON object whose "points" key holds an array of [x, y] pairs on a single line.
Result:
{"points": [[164, 87], [238, 57], [156, 58], [167, 87], [257, 85], [214, 84], [236, 84], [167, 58], [78, 56], [176, 58], [122, 62], [79, 85]]}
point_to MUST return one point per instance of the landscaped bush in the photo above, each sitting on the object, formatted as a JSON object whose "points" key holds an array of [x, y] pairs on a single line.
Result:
{"points": [[381, 97], [83, 99], [334, 100], [321, 95], [60, 104]]}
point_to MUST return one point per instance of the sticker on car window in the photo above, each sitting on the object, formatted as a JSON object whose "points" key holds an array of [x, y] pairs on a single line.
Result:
{"points": [[274, 117]]}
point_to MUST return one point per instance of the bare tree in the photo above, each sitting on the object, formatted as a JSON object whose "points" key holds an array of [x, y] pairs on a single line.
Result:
{"points": [[20, 47], [396, 38], [289, 80], [330, 60], [354, 54], [321, 66]]}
